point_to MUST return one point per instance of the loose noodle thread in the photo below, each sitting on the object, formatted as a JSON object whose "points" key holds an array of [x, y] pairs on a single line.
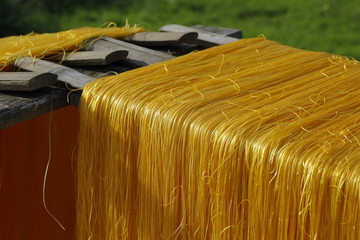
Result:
{"points": [[46, 174]]}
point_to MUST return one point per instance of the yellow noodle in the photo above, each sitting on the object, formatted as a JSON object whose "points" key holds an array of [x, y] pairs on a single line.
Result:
{"points": [[249, 140], [41, 45]]}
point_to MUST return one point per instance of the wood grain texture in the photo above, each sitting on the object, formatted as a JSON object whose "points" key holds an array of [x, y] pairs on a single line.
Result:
{"points": [[25, 81], [138, 56], [230, 32], [91, 58], [65, 74], [16, 107], [205, 39], [161, 38]]}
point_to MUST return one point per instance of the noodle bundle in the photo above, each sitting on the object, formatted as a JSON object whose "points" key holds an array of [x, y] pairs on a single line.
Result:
{"points": [[249, 140], [42, 45]]}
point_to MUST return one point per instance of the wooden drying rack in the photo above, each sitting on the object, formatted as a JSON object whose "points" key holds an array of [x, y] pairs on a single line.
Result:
{"points": [[42, 86]]}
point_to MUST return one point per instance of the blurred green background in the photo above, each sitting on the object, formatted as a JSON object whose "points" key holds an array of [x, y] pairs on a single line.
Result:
{"points": [[321, 25]]}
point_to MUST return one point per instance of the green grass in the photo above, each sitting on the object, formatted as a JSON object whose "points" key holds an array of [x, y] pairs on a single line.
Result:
{"points": [[327, 25]]}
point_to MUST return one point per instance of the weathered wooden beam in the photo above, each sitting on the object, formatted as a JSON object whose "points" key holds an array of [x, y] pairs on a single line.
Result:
{"points": [[65, 74], [90, 58], [16, 107], [160, 38], [138, 56], [205, 39], [230, 32], [25, 81]]}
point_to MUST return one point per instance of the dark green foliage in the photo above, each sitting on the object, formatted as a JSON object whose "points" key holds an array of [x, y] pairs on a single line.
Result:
{"points": [[25, 16]]}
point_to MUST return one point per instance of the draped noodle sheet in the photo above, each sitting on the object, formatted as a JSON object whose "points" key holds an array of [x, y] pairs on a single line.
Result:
{"points": [[249, 140]]}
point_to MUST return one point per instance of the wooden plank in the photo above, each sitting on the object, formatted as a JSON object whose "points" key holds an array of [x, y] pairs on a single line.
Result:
{"points": [[160, 38], [138, 56], [90, 58], [205, 39], [230, 32], [16, 107], [25, 81], [65, 74], [102, 71]]}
